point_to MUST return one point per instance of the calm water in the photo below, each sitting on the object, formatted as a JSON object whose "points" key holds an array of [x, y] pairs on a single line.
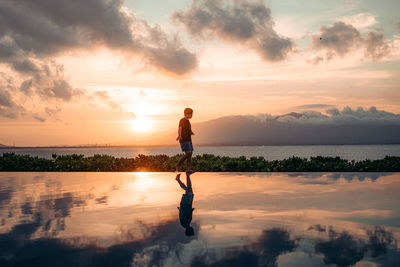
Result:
{"points": [[263, 219], [359, 152]]}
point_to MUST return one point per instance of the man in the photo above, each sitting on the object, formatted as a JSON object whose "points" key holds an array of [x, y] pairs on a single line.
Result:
{"points": [[185, 139]]}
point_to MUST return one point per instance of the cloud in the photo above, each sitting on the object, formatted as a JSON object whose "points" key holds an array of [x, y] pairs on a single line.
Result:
{"points": [[169, 54], [172, 58], [347, 115], [105, 97], [272, 243], [5, 99], [361, 20], [265, 251], [359, 115], [34, 33], [373, 176], [102, 94], [45, 82], [38, 118], [248, 23], [48, 82], [25, 66], [314, 106], [345, 249], [376, 47], [8, 107], [60, 89], [315, 61], [361, 176], [11, 113], [342, 38], [52, 111], [37, 77], [46, 28], [398, 25], [26, 86]]}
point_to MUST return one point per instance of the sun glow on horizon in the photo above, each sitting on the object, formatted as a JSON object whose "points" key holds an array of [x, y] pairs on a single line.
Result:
{"points": [[142, 124]]}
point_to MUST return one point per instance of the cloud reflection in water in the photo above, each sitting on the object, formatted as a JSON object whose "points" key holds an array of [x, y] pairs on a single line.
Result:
{"points": [[118, 219]]}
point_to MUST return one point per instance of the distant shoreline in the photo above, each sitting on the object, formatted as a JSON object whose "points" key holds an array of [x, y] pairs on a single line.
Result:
{"points": [[199, 145]]}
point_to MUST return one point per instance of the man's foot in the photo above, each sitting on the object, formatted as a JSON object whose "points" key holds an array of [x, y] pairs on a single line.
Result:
{"points": [[178, 177], [190, 172], [176, 169]]}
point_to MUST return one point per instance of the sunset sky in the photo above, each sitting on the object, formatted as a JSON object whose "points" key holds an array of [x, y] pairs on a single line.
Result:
{"points": [[112, 71]]}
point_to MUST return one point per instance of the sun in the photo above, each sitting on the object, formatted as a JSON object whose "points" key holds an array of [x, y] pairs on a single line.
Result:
{"points": [[142, 124]]}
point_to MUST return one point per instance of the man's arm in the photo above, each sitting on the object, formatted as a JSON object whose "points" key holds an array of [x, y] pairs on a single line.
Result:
{"points": [[179, 134]]}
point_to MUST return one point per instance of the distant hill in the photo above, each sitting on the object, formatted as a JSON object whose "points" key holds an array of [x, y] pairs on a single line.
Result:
{"points": [[309, 128], [1, 145], [245, 131]]}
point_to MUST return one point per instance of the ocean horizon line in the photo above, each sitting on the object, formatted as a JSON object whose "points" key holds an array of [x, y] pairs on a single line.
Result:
{"points": [[198, 145]]}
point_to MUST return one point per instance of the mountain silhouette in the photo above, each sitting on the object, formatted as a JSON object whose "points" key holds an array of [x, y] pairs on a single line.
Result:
{"points": [[312, 128]]}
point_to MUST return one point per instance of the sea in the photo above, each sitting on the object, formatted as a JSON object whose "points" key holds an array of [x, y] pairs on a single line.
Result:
{"points": [[349, 152]]}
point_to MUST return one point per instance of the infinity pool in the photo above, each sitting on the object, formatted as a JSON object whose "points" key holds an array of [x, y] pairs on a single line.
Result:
{"points": [[239, 219]]}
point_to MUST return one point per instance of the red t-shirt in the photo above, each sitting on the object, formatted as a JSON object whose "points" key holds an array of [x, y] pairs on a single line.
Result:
{"points": [[186, 134]]}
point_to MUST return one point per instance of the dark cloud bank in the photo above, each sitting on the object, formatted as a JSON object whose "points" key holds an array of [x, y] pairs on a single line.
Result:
{"points": [[249, 23], [32, 33], [345, 126]]}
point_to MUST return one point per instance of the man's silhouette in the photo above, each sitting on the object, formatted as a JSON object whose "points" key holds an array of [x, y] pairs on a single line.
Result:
{"points": [[185, 208]]}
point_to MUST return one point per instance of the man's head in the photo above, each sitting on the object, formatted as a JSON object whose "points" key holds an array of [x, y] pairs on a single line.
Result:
{"points": [[189, 231], [188, 112]]}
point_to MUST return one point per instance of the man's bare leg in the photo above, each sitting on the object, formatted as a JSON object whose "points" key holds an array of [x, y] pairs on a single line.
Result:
{"points": [[182, 159], [189, 161], [188, 183], [182, 185]]}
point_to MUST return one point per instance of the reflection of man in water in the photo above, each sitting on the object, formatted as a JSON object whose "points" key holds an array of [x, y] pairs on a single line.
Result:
{"points": [[185, 209]]}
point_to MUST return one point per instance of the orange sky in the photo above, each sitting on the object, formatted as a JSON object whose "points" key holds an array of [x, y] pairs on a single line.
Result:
{"points": [[117, 95]]}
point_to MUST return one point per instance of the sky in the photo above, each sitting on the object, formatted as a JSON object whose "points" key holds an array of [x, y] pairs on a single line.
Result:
{"points": [[113, 72]]}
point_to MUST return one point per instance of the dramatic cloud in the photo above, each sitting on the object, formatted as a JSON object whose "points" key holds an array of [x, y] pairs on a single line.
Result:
{"points": [[33, 33], [47, 27], [341, 38], [248, 23]]}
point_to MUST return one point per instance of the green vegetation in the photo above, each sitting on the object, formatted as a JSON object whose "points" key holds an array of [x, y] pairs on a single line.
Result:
{"points": [[202, 163]]}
